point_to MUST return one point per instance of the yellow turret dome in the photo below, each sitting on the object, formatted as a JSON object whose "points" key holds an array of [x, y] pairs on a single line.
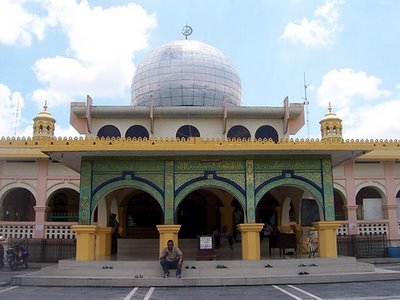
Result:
{"points": [[44, 124]]}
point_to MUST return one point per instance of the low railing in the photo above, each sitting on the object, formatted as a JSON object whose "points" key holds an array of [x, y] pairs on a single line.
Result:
{"points": [[371, 227], [16, 230], [59, 232], [343, 229], [63, 217], [142, 233], [362, 245], [29, 230], [47, 250]]}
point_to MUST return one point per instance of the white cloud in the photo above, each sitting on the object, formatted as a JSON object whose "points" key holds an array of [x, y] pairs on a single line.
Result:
{"points": [[17, 26], [398, 89], [366, 110], [102, 44], [11, 104], [319, 31], [344, 85], [379, 121]]}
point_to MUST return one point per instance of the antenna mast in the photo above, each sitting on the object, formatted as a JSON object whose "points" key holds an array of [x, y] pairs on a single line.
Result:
{"points": [[16, 118], [306, 103]]}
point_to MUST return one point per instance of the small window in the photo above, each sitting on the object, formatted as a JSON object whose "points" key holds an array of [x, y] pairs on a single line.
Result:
{"points": [[239, 132], [187, 131], [267, 132], [108, 131], [137, 131]]}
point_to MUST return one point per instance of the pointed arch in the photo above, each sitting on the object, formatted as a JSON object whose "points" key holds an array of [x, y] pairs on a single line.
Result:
{"points": [[199, 183], [290, 181], [127, 183]]}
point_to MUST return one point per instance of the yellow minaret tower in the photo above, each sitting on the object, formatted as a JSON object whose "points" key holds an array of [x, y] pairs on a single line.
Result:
{"points": [[44, 124], [331, 125]]}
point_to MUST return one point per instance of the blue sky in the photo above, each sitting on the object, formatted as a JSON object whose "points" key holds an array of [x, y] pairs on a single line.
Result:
{"points": [[60, 51]]}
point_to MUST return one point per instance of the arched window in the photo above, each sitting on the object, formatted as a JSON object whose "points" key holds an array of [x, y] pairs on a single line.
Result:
{"points": [[398, 204], [137, 131], [187, 131], [239, 132], [369, 204], [267, 132], [108, 131]]}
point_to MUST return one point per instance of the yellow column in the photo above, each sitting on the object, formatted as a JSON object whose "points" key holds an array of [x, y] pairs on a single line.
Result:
{"points": [[327, 244], [298, 230], [250, 240], [168, 232], [85, 241], [226, 217], [103, 241]]}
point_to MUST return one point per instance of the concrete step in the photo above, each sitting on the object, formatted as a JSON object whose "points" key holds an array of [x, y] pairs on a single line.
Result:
{"points": [[147, 249], [206, 273]]}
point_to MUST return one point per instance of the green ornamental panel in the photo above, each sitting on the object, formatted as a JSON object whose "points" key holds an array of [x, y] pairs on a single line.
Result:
{"points": [[144, 169], [250, 204], [169, 193], [267, 169], [170, 180], [329, 205], [85, 193], [230, 169]]}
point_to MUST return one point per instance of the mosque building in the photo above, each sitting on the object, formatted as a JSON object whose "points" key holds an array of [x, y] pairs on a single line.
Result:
{"points": [[186, 157]]}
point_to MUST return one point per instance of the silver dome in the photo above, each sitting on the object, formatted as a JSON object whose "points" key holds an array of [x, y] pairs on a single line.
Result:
{"points": [[186, 72]]}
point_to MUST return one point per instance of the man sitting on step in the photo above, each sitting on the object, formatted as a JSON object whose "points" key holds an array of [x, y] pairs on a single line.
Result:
{"points": [[171, 258]]}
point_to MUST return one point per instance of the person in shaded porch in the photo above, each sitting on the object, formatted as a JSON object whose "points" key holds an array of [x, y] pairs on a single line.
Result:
{"points": [[226, 237], [171, 258]]}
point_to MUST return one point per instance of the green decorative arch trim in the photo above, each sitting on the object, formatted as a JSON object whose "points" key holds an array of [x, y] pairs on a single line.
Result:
{"points": [[210, 183], [127, 183], [293, 182]]}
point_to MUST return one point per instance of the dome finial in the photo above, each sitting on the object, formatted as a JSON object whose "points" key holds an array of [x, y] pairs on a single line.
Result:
{"points": [[45, 105], [330, 107], [186, 31]]}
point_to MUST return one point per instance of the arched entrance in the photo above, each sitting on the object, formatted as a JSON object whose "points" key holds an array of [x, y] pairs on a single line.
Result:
{"points": [[142, 214], [285, 205], [205, 212], [340, 209], [267, 210], [18, 205], [136, 214], [136, 211], [63, 206], [199, 213]]}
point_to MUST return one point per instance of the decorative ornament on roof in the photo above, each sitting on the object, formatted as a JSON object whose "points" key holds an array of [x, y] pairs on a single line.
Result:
{"points": [[331, 125], [186, 31], [44, 123]]}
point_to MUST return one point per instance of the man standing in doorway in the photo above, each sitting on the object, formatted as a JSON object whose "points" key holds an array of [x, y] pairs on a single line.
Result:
{"points": [[113, 223], [171, 258]]}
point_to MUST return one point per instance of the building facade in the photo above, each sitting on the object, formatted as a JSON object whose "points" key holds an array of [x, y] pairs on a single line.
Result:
{"points": [[186, 157]]}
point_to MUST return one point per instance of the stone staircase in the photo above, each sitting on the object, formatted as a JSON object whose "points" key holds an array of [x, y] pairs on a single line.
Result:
{"points": [[136, 264], [205, 273]]}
